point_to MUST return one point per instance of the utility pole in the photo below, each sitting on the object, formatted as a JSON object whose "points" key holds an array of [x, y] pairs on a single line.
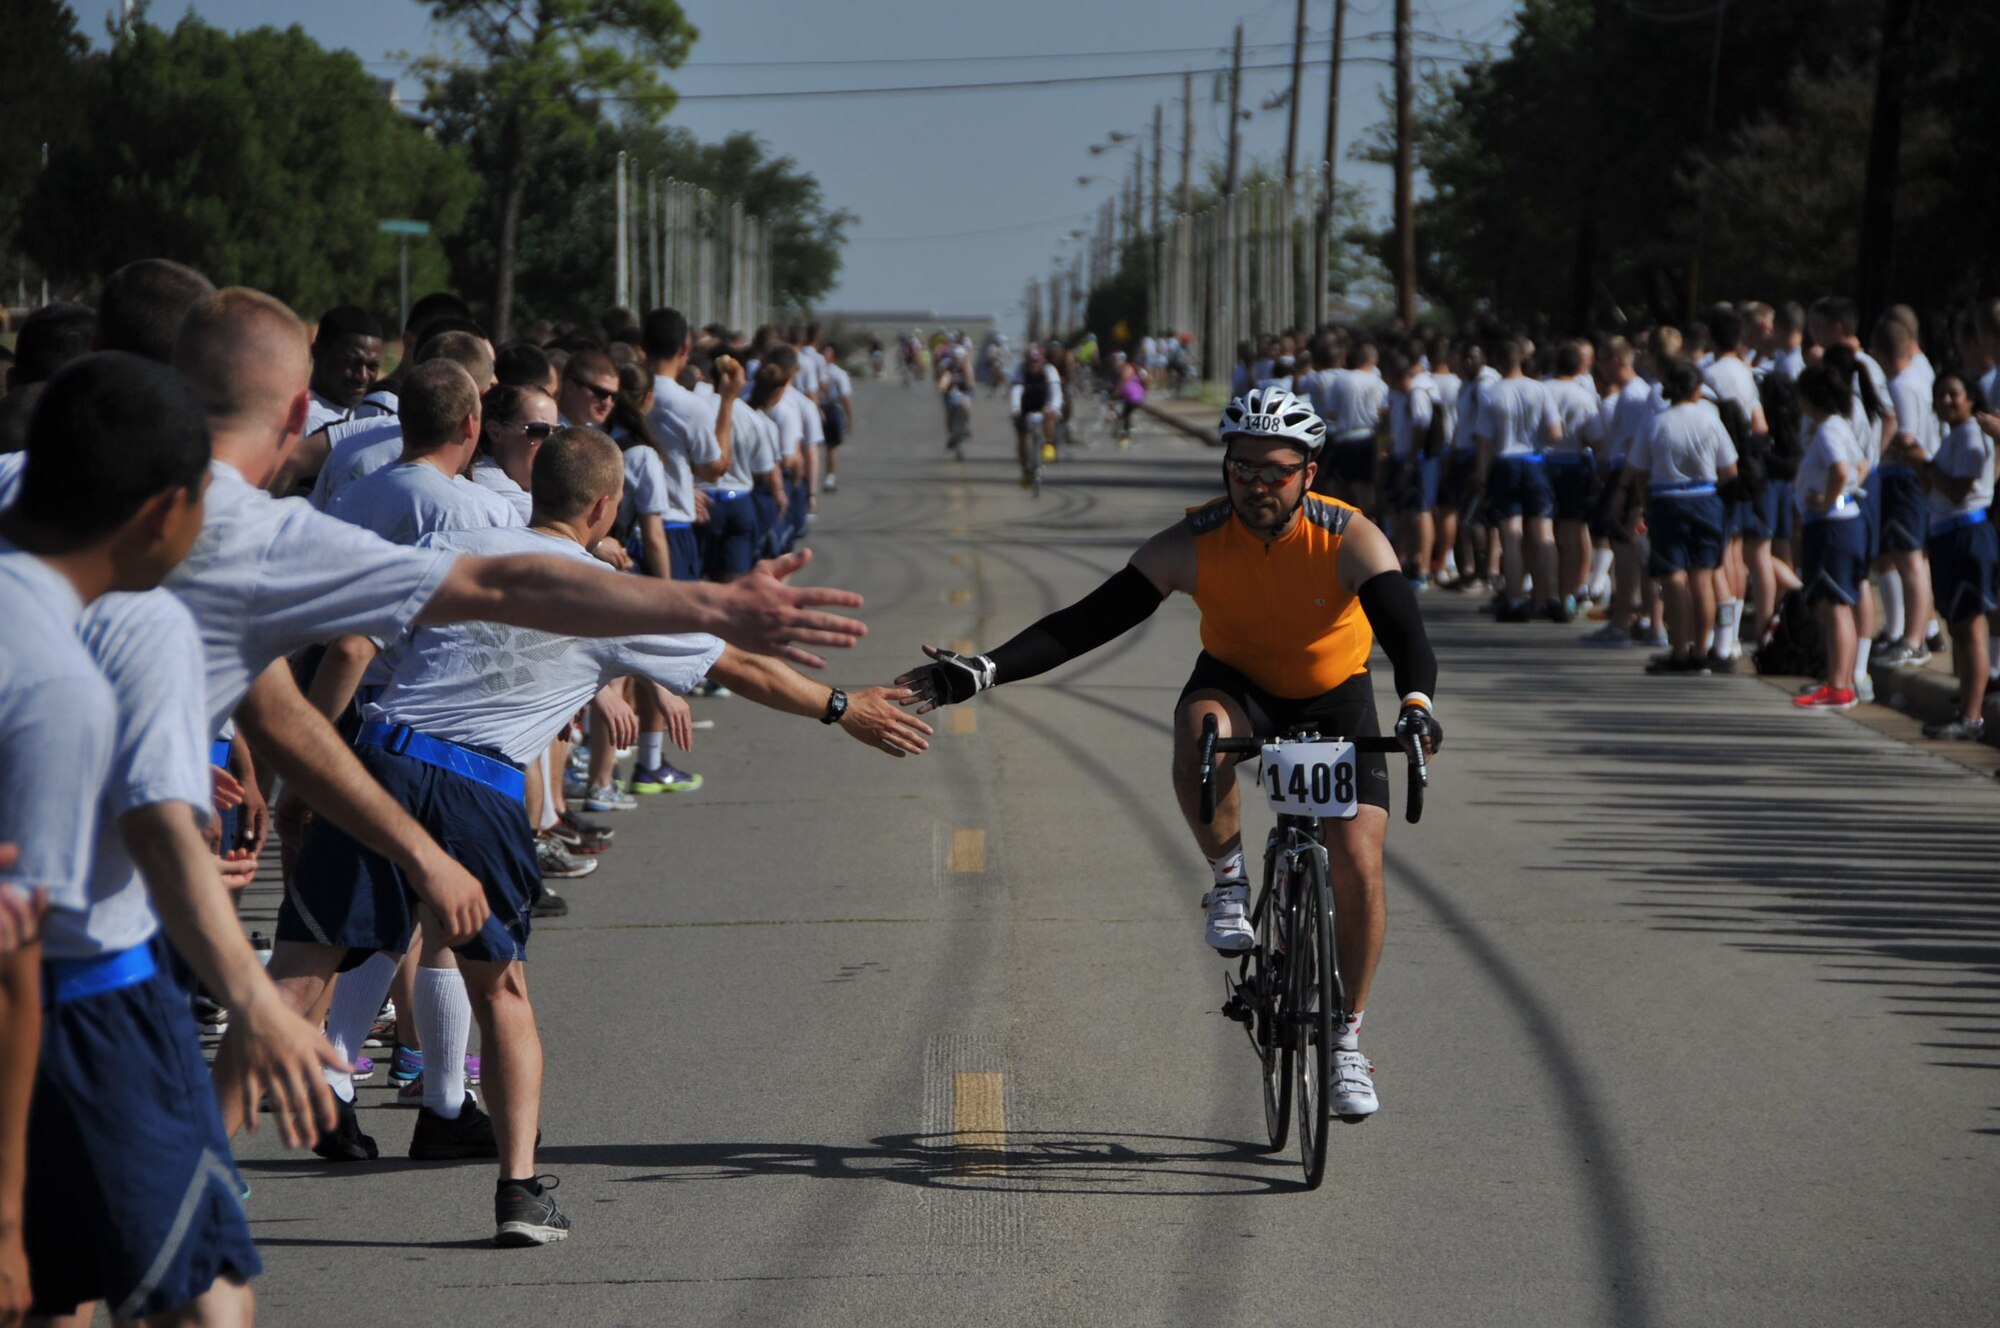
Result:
{"points": [[1292, 117], [1157, 109], [1235, 105], [1406, 233], [1885, 137], [1323, 248], [1187, 142]]}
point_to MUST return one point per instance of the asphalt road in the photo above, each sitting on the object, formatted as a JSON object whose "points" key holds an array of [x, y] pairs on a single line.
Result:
{"points": [[1690, 1012]]}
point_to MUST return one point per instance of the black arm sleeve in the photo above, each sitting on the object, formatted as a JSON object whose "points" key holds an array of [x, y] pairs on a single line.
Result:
{"points": [[1391, 607], [1109, 611]]}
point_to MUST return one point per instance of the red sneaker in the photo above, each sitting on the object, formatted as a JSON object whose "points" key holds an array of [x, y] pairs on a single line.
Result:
{"points": [[1826, 697]]}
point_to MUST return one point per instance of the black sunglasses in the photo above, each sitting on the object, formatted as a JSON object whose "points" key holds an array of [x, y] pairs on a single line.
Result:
{"points": [[1247, 472], [535, 428], [601, 393]]}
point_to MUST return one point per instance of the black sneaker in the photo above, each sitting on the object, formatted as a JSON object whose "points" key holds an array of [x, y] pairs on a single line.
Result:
{"points": [[578, 832], [1516, 613], [525, 1214], [1721, 663], [549, 904], [441, 1140], [345, 1142]]}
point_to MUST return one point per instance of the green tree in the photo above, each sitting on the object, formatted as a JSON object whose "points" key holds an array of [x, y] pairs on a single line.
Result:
{"points": [[546, 64], [41, 61], [258, 157]]}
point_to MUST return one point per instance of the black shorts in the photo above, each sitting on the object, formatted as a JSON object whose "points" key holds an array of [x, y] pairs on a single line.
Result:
{"points": [[1348, 711]]}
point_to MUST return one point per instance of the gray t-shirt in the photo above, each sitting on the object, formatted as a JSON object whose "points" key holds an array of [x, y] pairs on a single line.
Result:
{"points": [[685, 424], [1514, 413], [1965, 450], [510, 689], [357, 447], [410, 500], [486, 473], [1686, 445]]}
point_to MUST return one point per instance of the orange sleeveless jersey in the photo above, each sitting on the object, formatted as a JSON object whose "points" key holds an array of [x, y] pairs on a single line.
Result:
{"points": [[1277, 613]]}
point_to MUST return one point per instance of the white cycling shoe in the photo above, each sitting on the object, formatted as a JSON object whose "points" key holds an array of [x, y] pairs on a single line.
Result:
{"points": [[1229, 918], [1353, 1085]]}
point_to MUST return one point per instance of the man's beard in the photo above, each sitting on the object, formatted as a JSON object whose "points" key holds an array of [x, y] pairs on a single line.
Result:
{"points": [[1271, 524]]}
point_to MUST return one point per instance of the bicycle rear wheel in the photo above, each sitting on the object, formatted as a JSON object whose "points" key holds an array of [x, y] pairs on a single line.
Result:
{"points": [[1274, 1036], [1316, 1003]]}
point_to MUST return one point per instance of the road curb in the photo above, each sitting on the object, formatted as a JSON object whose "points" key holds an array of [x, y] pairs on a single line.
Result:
{"points": [[1200, 433], [1929, 696]]}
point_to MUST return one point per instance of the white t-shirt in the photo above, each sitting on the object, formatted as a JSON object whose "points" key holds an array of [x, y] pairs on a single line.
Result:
{"points": [[269, 575], [1578, 413], [1832, 443], [1686, 445], [1467, 436], [511, 689], [1910, 398], [1410, 416], [1791, 362], [645, 486], [1730, 379], [148, 650], [753, 450], [1317, 388], [320, 413], [381, 400], [411, 499], [1964, 450], [1514, 413], [357, 447], [839, 383], [812, 371], [1445, 386], [58, 720], [486, 473], [12, 466], [1356, 400], [788, 411], [685, 424], [1629, 416]]}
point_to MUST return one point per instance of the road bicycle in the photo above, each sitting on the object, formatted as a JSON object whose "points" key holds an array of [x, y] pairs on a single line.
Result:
{"points": [[1286, 991]]}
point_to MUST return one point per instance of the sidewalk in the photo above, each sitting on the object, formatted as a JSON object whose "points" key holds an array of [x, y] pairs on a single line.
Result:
{"points": [[1193, 418]]}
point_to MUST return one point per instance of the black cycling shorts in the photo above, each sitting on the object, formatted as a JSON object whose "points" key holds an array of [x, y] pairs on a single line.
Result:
{"points": [[1348, 711]]}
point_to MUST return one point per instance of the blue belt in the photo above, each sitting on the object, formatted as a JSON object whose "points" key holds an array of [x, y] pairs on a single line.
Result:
{"points": [[218, 752], [1530, 458], [1946, 524], [677, 525], [727, 494], [75, 979], [1685, 489], [402, 740]]}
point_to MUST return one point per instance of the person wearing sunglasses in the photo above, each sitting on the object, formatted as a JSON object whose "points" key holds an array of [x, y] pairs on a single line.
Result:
{"points": [[1294, 589], [518, 420]]}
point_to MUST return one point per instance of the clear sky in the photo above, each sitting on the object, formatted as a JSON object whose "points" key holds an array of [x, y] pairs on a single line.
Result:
{"points": [[962, 197]]}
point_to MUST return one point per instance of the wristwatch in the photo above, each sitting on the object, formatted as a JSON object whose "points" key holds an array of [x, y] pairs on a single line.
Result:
{"points": [[836, 707]]}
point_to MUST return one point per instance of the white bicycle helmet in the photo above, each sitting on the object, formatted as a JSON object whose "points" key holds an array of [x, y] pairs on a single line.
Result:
{"points": [[1272, 412]]}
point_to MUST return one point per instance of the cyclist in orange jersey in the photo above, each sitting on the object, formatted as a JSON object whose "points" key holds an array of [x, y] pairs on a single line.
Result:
{"points": [[1294, 590]]}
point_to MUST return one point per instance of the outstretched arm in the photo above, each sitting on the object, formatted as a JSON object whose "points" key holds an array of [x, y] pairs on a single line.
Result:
{"points": [[1369, 568], [872, 716], [1162, 565]]}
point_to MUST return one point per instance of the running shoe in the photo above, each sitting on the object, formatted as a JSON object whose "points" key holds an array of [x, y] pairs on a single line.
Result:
{"points": [[608, 798], [472, 1071], [1048, 453], [551, 904], [1721, 663], [576, 786], [568, 822], [1610, 636], [832, 485], [406, 1066], [1354, 1097], [364, 1069], [1515, 613], [345, 1142], [1896, 656], [1826, 697], [212, 1017], [556, 861], [1560, 610], [1960, 729], [382, 1033], [525, 1214], [1864, 688], [663, 778], [1919, 656], [411, 1094], [1229, 918], [469, 1135], [711, 688]]}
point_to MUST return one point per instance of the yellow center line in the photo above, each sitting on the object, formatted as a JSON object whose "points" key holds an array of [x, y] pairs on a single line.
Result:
{"points": [[979, 1122], [961, 596], [963, 645], [958, 560], [968, 851], [964, 720]]}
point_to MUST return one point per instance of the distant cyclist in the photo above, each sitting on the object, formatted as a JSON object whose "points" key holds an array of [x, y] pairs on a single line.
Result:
{"points": [[953, 372], [1036, 400], [1293, 589]]}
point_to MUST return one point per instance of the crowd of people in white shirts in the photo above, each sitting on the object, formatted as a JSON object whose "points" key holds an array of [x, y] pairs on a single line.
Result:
{"points": [[253, 588], [1683, 484]]}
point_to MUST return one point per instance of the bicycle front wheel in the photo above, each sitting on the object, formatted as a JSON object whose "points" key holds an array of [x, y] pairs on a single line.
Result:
{"points": [[1316, 1004], [1275, 1037]]}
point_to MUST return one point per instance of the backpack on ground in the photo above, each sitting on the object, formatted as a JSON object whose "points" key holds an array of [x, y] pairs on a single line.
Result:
{"points": [[1797, 645]]}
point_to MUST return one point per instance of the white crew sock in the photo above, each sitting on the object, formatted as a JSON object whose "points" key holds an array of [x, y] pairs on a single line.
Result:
{"points": [[1889, 587], [1599, 582], [1936, 629], [444, 1021], [652, 750], [1348, 1036], [1861, 650], [1228, 868], [1993, 658], [357, 997], [546, 815], [1728, 616]]}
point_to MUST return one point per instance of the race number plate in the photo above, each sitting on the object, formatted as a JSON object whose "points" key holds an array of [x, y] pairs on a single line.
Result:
{"points": [[1310, 779]]}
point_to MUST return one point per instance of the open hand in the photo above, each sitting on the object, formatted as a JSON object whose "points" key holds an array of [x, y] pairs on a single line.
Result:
{"points": [[875, 716], [763, 615]]}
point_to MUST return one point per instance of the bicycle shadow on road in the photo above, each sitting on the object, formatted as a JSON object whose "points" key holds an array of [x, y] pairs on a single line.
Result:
{"points": [[1027, 1162]]}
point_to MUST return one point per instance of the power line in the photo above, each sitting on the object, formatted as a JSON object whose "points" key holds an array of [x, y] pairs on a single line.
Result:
{"points": [[964, 235]]}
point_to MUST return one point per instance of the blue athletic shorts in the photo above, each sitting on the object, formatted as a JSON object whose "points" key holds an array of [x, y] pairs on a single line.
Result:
{"points": [[1516, 486], [1833, 560], [1685, 531], [1425, 478], [344, 894], [1352, 461], [1905, 509], [731, 543], [1456, 488], [1573, 482], [1965, 571], [795, 514], [132, 1197], [1770, 515], [1871, 519], [769, 526], [684, 553]]}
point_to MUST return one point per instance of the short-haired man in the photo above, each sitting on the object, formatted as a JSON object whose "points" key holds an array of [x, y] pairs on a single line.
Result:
{"points": [[142, 304], [1573, 472], [447, 736], [1747, 571], [347, 359], [1904, 578], [49, 338], [354, 448], [1514, 424], [694, 434], [426, 490]]}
